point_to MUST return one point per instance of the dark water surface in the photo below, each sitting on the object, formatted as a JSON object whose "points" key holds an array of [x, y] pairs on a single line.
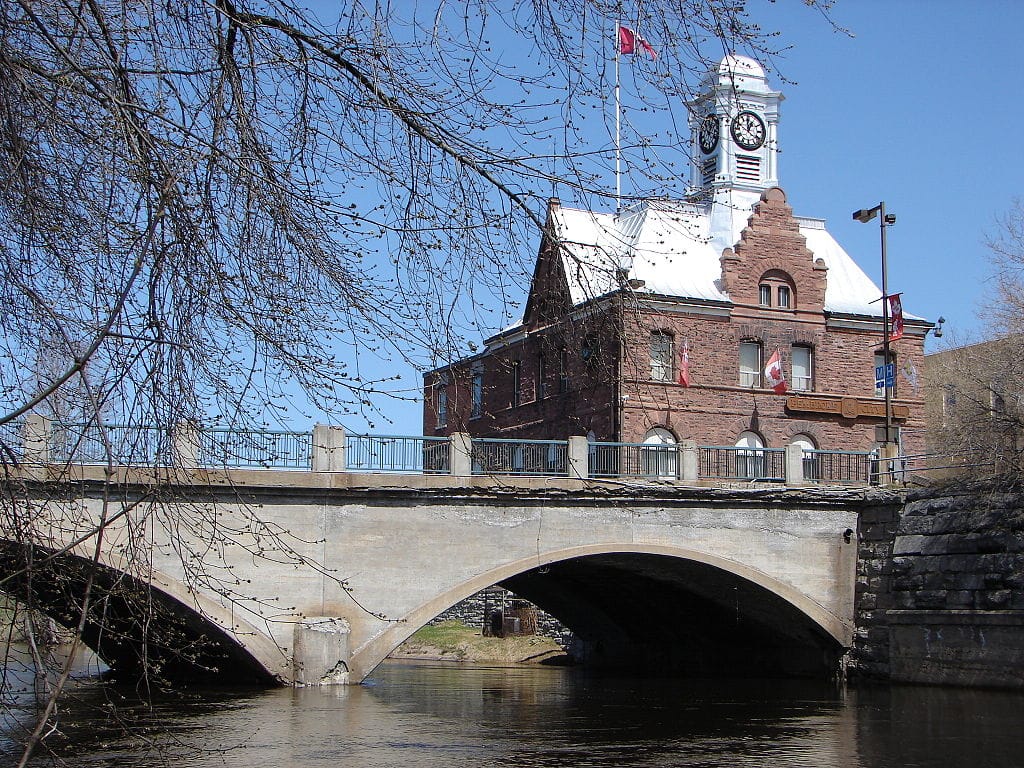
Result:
{"points": [[411, 715]]}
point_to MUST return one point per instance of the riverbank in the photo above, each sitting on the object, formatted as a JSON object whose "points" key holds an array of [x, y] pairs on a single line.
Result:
{"points": [[454, 641]]}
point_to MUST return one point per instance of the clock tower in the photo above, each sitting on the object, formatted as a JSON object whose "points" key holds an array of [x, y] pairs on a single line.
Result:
{"points": [[734, 124]]}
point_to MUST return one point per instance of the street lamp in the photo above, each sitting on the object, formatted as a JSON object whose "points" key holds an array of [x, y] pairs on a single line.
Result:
{"points": [[864, 215]]}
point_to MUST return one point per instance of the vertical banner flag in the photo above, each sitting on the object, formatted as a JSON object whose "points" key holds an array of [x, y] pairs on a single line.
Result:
{"points": [[895, 317], [910, 374], [684, 364], [774, 377], [628, 40]]}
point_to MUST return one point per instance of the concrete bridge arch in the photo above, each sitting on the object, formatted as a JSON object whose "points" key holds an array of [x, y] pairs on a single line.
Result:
{"points": [[636, 572], [157, 626], [813, 636]]}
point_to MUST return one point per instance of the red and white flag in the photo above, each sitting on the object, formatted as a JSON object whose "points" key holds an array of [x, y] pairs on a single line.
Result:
{"points": [[628, 41], [773, 375], [684, 364], [895, 317]]}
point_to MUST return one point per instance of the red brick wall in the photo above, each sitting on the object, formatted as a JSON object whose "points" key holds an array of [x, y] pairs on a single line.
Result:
{"points": [[544, 412]]}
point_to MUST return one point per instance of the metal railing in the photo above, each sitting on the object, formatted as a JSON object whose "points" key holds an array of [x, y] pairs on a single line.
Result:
{"points": [[838, 466], [520, 457], [634, 460], [285, 449], [213, 447], [114, 443], [266, 448], [721, 462], [394, 453]]}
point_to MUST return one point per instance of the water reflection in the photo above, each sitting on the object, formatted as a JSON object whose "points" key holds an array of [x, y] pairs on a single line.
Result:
{"points": [[413, 715]]}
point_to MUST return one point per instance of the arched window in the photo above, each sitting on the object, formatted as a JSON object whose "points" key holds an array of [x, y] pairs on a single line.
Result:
{"points": [[776, 289], [661, 459], [750, 459]]}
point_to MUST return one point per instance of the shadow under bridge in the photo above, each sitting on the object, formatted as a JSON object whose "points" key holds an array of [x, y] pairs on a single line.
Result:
{"points": [[657, 613]]}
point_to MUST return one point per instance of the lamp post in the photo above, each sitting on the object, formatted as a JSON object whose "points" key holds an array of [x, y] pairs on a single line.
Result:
{"points": [[864, 215]]}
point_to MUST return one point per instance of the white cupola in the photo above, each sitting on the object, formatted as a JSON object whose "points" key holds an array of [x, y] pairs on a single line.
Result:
{"points": [[734, 129]]}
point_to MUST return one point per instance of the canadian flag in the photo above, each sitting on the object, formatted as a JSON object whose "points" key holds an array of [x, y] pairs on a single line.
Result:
{"points": [[773, 375], [628, 40], [895, 317]]}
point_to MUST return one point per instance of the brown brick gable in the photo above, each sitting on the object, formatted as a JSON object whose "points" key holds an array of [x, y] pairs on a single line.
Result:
{"points": [[772, 241]]}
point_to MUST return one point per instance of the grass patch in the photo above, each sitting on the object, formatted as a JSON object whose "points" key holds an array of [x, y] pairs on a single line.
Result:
{"points": [[447, 635], [454, 640]]}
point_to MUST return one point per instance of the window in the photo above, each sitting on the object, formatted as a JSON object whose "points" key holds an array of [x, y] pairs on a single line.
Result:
{"points": [[477, 393], [996, 401], [442, 406], [801, 360], [441, 400], [516, 382], [880, 369], [750, 364], [542, 375], [750, 459], [778, 285], [589, 350], [563, 371], [661, 356]]}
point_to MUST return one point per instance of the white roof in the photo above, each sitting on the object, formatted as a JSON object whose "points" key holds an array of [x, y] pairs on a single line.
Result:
{"points": [[671, 247]]}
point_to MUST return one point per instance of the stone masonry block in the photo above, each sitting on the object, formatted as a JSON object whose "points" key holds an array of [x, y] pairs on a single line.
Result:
{"points": [[960, 599], [909, 545], [917, 526], [996, 599]]}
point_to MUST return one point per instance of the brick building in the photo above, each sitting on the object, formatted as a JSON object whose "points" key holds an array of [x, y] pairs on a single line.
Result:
{"points": [[975, 406], [656, 323]]}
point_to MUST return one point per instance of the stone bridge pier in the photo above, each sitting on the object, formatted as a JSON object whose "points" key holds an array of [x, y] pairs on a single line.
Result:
{"points": [[280, 576]]}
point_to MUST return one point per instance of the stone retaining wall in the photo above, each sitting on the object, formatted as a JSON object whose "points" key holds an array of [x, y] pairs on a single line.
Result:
{"points": [[940, 590], [473, 612]]}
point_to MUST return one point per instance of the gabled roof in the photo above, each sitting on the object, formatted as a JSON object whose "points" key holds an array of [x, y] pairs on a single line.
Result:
{"points": [[671, 248]]}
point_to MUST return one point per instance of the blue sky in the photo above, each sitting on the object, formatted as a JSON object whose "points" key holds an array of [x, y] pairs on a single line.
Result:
{"points": [[919, 106]]}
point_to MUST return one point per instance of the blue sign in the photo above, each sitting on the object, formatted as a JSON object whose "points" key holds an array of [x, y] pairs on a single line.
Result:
{"points": [[885, 376]]}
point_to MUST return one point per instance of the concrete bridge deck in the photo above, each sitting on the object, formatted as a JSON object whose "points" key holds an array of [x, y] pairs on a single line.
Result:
{"points": [[308, 576]]}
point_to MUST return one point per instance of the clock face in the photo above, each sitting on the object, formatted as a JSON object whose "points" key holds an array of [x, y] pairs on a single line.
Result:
{"points": [[708, 136], [748, 130]]}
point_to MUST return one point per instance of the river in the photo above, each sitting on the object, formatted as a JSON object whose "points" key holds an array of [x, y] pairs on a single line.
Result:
{"points": [[423, 715]]}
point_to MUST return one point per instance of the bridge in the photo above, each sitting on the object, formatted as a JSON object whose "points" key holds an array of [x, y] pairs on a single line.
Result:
{"points": [[314, 576]]}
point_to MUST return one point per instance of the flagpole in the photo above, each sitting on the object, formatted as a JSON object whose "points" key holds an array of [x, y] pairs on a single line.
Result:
{"points": [[618, 147]]}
